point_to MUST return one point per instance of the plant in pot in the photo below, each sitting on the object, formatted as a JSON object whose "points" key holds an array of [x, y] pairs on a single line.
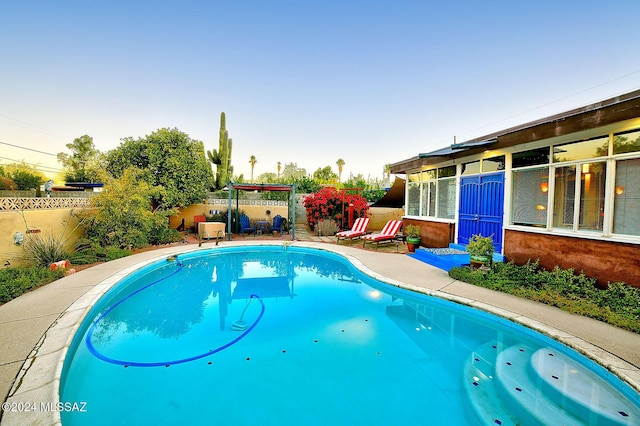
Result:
{"points": [[480, 250], [413, 237]]}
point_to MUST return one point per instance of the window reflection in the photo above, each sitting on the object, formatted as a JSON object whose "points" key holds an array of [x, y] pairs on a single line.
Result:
{"points": [[592, 148], [626, 142]]}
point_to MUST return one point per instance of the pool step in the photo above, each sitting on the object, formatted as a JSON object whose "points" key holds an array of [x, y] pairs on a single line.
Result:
{"points": [[577, 389], [441, 261], [447, 258], [540, 387], [482, 396]]}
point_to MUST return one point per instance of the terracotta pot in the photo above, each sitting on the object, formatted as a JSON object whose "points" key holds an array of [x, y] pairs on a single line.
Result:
{"points": [[412, 243]]}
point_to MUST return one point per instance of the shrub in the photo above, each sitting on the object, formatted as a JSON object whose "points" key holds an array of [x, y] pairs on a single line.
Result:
{"points": [[26, 179], [328, 204], [618, 305], [87, 252], [7, 183], [43, 250], [373, 195], [16, 281], [122, 215], [326, 227]]}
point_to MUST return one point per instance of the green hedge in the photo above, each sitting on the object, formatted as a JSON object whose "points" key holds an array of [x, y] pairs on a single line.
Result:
{"points": [[16, 281], [618, 304]]}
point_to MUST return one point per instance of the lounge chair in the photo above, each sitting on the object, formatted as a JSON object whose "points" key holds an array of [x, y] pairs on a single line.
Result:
{"points": [[388, 233], [245, 225], [277, 223], [358, 229]]}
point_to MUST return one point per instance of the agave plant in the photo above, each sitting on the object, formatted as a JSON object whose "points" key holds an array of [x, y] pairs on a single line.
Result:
{"points": [[43, 250]]}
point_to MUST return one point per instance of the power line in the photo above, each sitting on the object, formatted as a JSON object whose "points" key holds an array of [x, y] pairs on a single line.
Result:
{"points": [[556, 101], [26, 125], [36, 166], [28, 149]]}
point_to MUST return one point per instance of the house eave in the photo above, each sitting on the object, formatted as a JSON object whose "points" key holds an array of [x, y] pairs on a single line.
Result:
{"points": [[598, 114]]}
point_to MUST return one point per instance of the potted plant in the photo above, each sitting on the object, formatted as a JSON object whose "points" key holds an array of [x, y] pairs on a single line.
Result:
{"points": [[413, 237], [480, 250]]}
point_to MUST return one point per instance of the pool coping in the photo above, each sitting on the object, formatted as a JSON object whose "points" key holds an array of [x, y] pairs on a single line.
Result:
{"points": [[38, 379]]}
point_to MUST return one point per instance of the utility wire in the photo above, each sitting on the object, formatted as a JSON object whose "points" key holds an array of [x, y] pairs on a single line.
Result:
{"points": [[556, 101], [39, 129], [37, 166], [28, 149]]}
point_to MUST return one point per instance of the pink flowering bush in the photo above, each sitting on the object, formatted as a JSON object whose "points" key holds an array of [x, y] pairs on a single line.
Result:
{"points": [[327, 204]]}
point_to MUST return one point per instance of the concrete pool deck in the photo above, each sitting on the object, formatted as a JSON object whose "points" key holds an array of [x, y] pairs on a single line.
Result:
{"points": [[36, 328]]}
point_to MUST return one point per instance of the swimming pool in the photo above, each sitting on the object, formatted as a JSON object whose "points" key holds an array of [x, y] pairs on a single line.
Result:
{"points": [[321, 343]]}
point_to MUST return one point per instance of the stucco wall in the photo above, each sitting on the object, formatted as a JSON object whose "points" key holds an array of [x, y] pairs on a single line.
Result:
{"points": [[254, 212], [379, 216], [606, 261], [56, 222], [433, 234]]}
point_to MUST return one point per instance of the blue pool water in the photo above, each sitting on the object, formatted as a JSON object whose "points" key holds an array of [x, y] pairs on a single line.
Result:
{"points": [[320, 343]]}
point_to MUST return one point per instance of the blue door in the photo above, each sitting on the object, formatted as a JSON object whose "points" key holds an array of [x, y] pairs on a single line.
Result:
{"points": [[481, 208]]}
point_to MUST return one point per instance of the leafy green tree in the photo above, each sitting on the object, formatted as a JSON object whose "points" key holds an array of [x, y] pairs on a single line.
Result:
{"points": [[291, 173], [357, 181], [268, 177], [121, 217], [26, 180], [23, 176], [169, 161], [85, 162], [306, 185], [325, 175]]}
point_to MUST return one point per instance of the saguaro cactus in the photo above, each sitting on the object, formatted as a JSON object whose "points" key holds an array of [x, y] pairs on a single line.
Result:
{"points": [[222, 157]]}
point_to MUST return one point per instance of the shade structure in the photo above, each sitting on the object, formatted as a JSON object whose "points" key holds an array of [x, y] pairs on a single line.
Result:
{"points": [[263, 187]]}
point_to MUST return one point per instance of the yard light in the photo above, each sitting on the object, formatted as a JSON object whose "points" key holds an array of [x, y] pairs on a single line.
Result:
{"points": [[18, 238]]}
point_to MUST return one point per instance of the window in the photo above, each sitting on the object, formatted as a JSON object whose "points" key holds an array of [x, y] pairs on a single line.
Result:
{"points": [[575, 189], [564, 201], [413, 195], [471, 168], [626, 142], [446, 198], [592, 148], [589, 193], [494, 164], [530, 197], [429, 198], [592, 183], [626, 219], [432, 193], [534, 157]]}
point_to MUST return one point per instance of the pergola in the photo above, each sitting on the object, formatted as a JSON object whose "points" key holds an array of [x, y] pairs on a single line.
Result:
{"points": [[291, 210]]}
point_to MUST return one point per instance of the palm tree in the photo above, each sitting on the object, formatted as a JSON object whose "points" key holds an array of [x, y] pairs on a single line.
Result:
{"points": [[340, 163], [253, 162], [279, 167]]}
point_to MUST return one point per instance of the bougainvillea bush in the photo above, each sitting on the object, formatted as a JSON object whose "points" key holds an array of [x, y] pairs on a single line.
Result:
{"points": [[327, 204]]}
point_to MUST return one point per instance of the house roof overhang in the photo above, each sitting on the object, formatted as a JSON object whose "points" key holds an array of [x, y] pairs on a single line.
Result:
{"points": [[595, 115]]}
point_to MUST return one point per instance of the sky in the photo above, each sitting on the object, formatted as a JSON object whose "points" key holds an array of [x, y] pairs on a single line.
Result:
{"points": [[304, 82]]}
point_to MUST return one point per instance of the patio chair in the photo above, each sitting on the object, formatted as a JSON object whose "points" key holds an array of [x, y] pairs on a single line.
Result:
{"points": [[277, 223], [245, 225], [358, 229], [388, 233]]}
